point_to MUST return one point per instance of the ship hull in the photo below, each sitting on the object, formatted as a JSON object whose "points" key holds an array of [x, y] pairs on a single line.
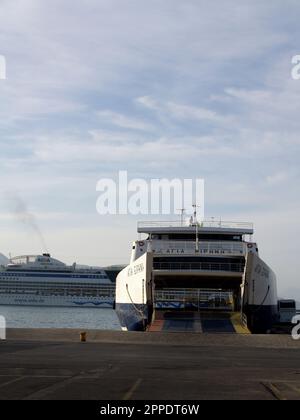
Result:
{"points": [[260, 319], [58, 301], [260, 300], [132, 317], [134, 294], [259, 295]]}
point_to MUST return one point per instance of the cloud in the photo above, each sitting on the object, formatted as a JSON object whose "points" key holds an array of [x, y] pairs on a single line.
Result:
{"points": [[171, 88], [254, 96], [148, 102], [278, 178], [186, 112], [123, 121], [112, 148], [181, 112]]}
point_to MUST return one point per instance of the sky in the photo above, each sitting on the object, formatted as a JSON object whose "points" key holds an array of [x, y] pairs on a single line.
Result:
{"points": [[175, 89]]}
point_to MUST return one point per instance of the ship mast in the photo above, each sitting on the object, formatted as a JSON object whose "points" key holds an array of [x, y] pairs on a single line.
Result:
{"points": [[182, 211], [196, 225]]}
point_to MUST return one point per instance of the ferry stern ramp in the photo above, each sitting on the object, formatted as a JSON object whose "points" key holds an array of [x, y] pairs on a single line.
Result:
{"points": [[198, 298]]}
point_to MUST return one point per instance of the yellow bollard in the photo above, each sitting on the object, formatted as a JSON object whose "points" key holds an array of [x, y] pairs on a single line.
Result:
{"points": [[83, 337]]}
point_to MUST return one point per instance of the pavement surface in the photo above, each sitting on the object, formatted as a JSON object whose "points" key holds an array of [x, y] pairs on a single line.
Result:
{"points": [[54, 365]]}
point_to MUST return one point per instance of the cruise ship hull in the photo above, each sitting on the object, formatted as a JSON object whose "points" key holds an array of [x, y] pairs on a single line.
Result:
{"points": [[59, 301]]}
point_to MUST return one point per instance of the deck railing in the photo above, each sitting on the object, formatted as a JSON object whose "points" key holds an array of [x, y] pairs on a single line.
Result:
{"points": [[203, 224], [195, 298]]}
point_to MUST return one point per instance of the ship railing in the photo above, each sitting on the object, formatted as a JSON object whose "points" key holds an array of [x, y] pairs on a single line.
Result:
{"points": [[92, 270], [185, 247], [208, 298], [196, 266], [201, 224]]}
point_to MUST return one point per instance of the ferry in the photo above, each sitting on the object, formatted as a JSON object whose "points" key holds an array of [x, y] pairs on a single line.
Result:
{"points": [[40, 280], [195, 270]]}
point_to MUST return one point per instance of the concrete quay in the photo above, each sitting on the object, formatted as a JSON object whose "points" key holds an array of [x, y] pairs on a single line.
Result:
{"points": [[112, 365]]}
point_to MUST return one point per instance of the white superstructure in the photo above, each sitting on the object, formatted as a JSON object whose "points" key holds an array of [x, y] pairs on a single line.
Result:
{"points": [[41, 280]]}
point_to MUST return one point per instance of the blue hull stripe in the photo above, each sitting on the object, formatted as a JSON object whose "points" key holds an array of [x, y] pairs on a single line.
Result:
{"points": [[107, 303]]}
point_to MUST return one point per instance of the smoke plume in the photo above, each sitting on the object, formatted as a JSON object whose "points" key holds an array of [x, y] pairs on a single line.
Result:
{"points": [[24, 216]]}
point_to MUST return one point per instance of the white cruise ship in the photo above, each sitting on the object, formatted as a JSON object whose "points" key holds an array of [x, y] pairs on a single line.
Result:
{"points": [[197, 269], [40, 280]]}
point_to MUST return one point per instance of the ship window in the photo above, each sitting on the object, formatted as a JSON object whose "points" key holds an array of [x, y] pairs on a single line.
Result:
{"points": [[287, 304]]}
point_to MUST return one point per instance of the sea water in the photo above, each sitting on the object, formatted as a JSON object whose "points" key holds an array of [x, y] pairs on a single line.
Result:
{"points": [[56, 317]]}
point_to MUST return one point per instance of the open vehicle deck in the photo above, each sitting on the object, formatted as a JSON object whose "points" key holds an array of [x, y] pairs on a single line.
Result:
{"points": [[201, 322]]}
